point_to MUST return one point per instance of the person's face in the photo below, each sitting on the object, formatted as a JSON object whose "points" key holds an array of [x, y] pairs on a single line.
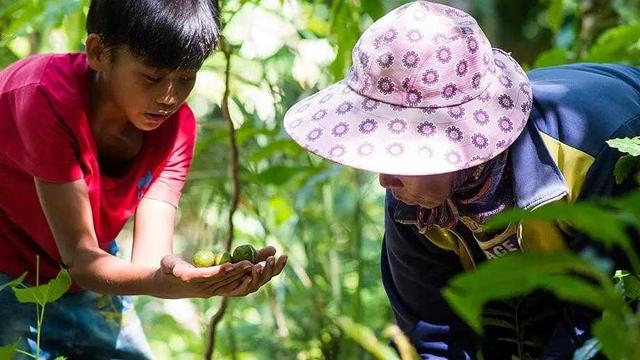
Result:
{"points": [[428, 191], [146, 96]]}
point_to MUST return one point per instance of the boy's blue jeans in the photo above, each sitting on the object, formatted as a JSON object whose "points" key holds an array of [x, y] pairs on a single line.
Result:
{"points": [[83, 325]]}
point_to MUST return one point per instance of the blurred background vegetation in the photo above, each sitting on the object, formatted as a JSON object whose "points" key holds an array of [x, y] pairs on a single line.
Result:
{"points": [[329, 302]]}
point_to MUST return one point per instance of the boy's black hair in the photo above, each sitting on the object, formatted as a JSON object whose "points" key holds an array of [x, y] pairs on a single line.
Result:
{"points": [[166, 34]]}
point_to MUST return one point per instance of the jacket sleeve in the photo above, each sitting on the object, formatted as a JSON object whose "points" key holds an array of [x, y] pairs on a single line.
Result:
{"points": [[414, 271]]}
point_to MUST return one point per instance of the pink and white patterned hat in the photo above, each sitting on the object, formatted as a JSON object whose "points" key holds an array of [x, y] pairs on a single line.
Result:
{"points": [[427, 94]]}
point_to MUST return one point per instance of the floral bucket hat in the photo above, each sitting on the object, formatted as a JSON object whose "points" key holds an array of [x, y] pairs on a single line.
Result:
{"points": [[427, 94]]}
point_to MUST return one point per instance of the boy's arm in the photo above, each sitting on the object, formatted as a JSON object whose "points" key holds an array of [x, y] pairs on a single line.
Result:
{"points": [[153, 232], [68, 212]]}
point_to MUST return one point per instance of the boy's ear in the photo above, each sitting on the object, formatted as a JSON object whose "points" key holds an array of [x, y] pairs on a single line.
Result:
{"points": [[98, 55]]}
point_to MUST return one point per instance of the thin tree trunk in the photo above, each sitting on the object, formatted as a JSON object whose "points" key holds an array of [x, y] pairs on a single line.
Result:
{"points": [[235, 191]]}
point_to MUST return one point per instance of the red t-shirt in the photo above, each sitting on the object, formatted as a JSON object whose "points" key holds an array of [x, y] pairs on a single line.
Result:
{"points": [[45, 133]]}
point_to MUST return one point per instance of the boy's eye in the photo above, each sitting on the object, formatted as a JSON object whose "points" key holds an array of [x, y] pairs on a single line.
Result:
{"points": [[153, 79]]}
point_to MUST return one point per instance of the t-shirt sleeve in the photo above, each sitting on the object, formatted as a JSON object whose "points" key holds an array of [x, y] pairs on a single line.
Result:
{"points": [[169, 183], [43, 145]]}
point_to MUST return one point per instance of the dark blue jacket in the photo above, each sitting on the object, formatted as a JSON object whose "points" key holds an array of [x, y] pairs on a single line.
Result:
{"points": [[561, 154]]}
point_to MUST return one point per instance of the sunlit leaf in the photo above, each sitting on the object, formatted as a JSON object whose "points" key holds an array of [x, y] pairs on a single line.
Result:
{"points": [[618, 44], [365, 338], [630, 146], [46, 293], [552, 57]]}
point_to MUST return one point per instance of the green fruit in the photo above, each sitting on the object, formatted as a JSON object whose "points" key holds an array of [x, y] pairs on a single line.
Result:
{"points": [[244, 252], [223, 258], [204, 258]]}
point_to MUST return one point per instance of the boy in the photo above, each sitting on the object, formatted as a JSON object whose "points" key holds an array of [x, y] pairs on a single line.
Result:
{"points": [[88, 140]]}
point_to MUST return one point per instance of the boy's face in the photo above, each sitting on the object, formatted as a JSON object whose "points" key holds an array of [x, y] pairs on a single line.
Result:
{"points": [[428, 191], [146, 96]]}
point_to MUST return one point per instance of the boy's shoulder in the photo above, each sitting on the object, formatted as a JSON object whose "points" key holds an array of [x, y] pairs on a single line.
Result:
{"points": [[56, 73]]}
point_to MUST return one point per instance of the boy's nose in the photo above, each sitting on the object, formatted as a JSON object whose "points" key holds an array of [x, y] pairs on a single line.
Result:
{"points": [[389, 181], [168, 97]]}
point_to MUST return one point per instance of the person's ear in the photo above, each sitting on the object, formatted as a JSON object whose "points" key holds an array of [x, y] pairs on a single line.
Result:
{"points": [[98, 55]]}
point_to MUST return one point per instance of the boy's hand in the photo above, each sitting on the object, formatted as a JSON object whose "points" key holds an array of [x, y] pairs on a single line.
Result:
{"points": [[266, 268], [180, 279]]}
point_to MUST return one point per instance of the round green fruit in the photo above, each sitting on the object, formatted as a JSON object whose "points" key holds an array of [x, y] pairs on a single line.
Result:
{"points": [[204, 258], [244, 252], [223, 258]]}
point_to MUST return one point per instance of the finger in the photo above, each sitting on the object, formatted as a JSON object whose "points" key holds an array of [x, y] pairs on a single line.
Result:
{"points": [[217, 273], [282, 261], [265, 252], [216, 286], [237, 288], [273, 269], [243, 288], [256, 277], [168, 263]]}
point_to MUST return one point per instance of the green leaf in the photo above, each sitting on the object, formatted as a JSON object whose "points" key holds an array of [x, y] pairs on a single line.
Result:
{"points": [[375, 8], [629, 205], [618, 44], [345, 25], [555, 14], [46, 293], [630, 146], [593, 220], [552, 57], [625, 166], [498, 323], [274, 148], [365, 338], [518, 274], [14, 282], [280, 174], [7, 352], [611, 332], [631, 286]]}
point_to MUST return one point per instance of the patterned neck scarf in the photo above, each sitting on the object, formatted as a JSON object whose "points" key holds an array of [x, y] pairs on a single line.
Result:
{"points": [[478, 193]]}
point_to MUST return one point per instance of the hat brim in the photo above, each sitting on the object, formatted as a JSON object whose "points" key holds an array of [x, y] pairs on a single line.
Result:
{"points": [[345, 127]]}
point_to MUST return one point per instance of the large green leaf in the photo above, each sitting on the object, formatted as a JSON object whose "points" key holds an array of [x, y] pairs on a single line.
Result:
{"points": [[615, 338], [519, 274], [589, 218], [46, 293], [7, 352]]}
